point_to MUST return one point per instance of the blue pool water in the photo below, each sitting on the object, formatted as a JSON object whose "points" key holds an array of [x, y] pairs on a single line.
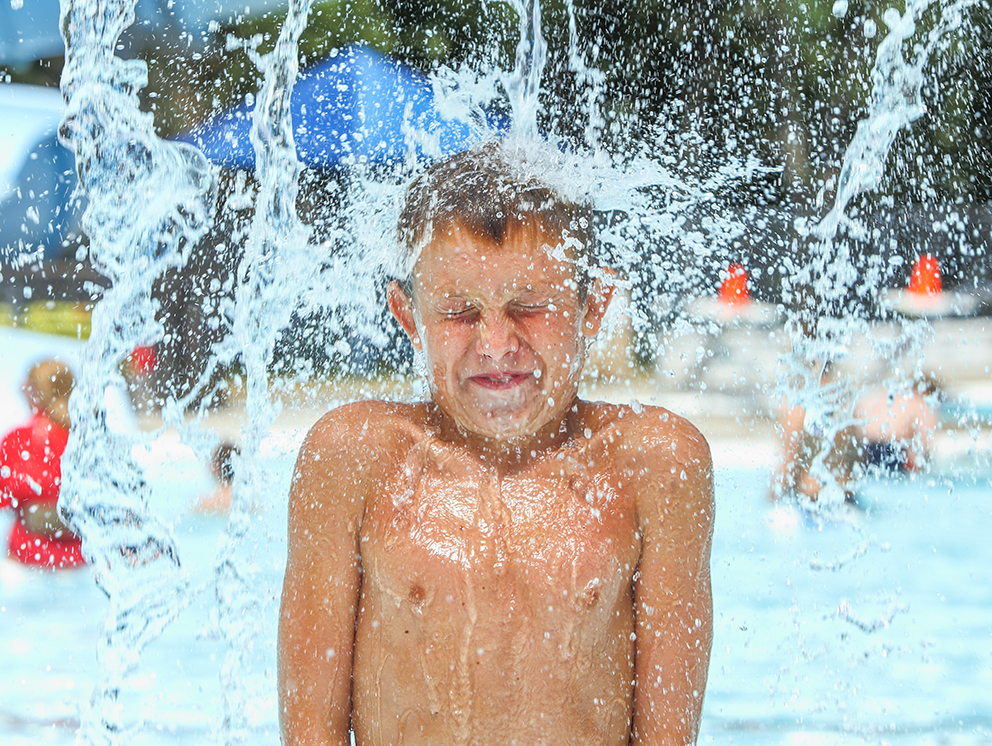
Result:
{"points": [[877, 630]]}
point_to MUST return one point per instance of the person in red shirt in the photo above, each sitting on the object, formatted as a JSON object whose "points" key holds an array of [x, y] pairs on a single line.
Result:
{"points": [[31, 473]]}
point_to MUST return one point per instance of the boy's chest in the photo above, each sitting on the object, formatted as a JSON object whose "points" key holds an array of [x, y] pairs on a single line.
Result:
{"points": [[557, 530]]}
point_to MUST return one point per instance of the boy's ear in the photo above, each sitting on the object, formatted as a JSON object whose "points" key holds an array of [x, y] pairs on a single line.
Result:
{"points": [[597, 301], [401, 306]]}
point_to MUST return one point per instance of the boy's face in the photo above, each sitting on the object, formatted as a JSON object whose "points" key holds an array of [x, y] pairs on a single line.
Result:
{"points": [[502, 329]]}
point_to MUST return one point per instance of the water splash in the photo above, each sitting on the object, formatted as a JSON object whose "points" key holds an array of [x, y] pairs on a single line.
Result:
{"points": [[523, 86], [149, 201], [823, 327], [661, 230], [276, 257], [896, 102]]}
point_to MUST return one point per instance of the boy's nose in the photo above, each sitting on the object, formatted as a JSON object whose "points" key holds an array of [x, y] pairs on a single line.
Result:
{"points": [[497, 337]]}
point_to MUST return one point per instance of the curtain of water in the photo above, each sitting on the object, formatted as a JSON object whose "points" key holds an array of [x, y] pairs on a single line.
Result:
{"points": [[276, 257], [823, 329], [149, 201], [589, 81], [524, 87]]}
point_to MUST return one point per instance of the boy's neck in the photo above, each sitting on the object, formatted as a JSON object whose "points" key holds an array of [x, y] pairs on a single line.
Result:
{"points": [[509, 451]]}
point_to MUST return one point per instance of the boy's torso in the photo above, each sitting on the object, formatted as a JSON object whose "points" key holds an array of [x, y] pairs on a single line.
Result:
{"points": [[496, 603]]}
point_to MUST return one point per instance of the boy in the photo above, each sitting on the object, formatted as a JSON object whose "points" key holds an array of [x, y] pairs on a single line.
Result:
{"points": [[504, 563]]}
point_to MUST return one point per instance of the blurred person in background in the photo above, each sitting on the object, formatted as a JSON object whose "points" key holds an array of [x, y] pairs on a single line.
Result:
{"points": [[811, 458], [898, 425], [222, 468], [31, 473]]}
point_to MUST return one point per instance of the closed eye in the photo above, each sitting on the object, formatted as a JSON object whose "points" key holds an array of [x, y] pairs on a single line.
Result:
{"points": [[461, 314], [528, 309]]}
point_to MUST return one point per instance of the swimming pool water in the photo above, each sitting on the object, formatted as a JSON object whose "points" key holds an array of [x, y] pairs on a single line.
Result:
{"points": [[875, 630], [878, 631]]}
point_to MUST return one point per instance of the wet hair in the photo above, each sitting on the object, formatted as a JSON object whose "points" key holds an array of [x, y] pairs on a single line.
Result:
{"points": [[48, 386], [222, 461], [485, 191], [927, 384]]}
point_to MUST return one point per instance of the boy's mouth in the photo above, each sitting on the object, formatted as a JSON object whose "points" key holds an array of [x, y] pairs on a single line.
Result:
{"points": [[500, 381]]}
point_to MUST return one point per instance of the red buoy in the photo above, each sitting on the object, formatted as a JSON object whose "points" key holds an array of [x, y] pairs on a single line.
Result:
{"points": [[143, 361], [925, 277], [733, 289]]}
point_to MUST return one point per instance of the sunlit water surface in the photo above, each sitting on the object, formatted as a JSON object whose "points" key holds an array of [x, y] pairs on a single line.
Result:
{"points": [[875, 630]]}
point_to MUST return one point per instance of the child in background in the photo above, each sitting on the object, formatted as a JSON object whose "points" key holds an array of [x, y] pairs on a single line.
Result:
{"points": [[222, 468], [31, 472]]}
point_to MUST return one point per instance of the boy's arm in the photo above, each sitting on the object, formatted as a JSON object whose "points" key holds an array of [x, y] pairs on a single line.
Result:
{"points": [[672, 594], [322, 583], [792, 430]]}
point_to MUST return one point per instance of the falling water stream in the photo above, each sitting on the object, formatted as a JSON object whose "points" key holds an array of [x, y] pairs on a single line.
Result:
{"points": [[151, 201], [823, 331], [121, 164]]}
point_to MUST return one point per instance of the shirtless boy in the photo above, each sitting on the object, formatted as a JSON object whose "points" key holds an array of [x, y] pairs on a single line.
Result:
{"points": [[503, 563]]}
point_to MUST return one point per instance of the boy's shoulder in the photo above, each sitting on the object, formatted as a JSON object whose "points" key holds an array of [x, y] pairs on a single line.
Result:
{"points": [[368, 424], [666, 459], [644, 428], [357, 444]]}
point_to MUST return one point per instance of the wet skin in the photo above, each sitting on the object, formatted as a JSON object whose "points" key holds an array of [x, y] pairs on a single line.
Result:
{"points": [[504, 563]]}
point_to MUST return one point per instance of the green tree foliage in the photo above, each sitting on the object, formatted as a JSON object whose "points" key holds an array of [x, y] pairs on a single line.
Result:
{"points": [[786, 80]]}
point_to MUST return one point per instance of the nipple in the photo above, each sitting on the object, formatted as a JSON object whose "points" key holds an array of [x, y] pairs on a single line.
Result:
{"points": [[417, 595], [579, 485], [590, 595]]}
